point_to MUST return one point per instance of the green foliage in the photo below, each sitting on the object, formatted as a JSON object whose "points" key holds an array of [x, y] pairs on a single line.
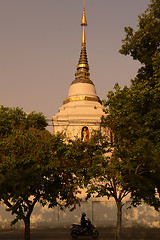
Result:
{"points": [[134, 122], [97, 168], [85, 157], [30, 168], [102, 174], [144, 43], [36, 120], [133, 113], [11, 118], [33, 166]]}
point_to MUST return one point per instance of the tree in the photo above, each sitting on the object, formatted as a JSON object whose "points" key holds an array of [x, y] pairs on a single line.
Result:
{"points": [[133, 114], [99, 171], [33, 168], [131, 163], [133, 145], [11, 118], [144, 43]]}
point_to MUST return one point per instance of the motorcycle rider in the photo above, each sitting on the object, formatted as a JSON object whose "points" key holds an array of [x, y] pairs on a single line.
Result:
{"points": [[84, 222], [85, 229]]}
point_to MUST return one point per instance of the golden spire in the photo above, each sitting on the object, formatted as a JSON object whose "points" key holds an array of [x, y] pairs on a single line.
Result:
{"points": [[82, 74], [83, 62]]}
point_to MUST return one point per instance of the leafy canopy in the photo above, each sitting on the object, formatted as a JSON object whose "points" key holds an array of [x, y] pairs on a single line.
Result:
{"points": [[11, 118], [133, 113], [33, 166]]}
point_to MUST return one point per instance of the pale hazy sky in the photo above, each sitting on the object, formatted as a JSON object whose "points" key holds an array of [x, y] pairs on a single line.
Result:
{"points": [[40, 43]]}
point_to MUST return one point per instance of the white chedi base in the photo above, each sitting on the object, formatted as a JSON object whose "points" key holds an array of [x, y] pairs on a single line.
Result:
{"points": [[74, 115]]}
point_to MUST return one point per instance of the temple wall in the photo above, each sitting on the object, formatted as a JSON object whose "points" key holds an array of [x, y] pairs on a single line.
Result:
{"points": [[101, 212]]}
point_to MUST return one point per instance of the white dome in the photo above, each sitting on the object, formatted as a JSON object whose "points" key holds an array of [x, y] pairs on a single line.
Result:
{"points": [[82, 89]]}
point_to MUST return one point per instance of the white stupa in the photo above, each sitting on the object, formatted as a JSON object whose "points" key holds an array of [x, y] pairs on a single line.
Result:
{"points": [[81, 112]]}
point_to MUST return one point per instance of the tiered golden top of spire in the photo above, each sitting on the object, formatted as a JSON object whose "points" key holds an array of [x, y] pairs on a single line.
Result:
{"points": [[82, 74], [83, 62]]}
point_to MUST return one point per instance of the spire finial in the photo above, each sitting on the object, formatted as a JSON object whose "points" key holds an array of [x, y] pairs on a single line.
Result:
{"points": [[84, 21]]}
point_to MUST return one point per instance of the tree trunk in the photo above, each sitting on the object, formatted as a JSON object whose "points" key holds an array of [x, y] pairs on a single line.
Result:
{"points": [[27, 228], [119, 219]]}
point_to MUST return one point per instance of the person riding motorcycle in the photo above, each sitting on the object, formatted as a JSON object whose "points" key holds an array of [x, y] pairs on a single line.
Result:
{"points": [[86, 228], [84, 222]]}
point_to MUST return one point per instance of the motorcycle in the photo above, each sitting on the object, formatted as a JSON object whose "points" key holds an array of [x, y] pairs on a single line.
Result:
{"points": [[90, 230]]}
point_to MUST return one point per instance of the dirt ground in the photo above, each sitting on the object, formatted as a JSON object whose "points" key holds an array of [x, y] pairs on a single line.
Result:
{"points": [[64, 234]]}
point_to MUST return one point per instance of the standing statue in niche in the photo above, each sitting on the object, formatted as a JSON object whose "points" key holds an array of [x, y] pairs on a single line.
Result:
{"points": [[85, 134]]}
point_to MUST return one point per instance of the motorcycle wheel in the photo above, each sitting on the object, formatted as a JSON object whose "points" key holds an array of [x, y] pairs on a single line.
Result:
{"points": [[74, 233], [94, 233]]}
